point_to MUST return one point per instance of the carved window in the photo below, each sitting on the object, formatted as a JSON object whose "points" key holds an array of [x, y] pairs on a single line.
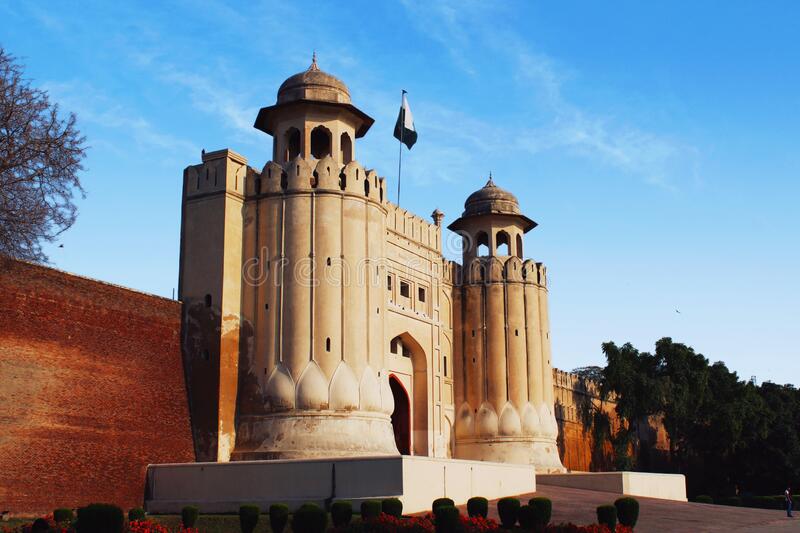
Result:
{"points": [[346, 148], [503, 243], [292, 140], [320, 142], [405, 289]]}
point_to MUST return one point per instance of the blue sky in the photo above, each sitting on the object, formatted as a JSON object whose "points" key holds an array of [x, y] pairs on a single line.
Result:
{"points": [[655, 143]]}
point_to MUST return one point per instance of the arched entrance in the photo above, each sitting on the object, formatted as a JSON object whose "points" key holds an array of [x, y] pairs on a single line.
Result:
{"points": [[415, 390], [401, 416]]}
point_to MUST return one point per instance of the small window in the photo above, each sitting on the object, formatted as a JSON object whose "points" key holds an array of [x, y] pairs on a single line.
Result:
{"points": [[516, 332], [388, 283], [208, 300], [421, 294], [445, 366], [328, 344], [329, 261], [405, 290], [393, 346], [266, 306]]}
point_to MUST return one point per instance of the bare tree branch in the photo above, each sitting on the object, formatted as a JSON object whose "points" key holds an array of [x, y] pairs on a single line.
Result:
{"points": [[40, 158]]}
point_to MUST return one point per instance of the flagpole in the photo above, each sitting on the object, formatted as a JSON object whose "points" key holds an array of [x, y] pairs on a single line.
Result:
{"points": [[400, 157]]}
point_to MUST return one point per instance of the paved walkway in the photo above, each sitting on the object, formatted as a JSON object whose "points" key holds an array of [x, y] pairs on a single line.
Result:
{"points": [[661, 516]]}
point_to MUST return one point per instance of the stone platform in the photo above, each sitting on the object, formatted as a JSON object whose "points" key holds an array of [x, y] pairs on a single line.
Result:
{"points": [[417, 481], [662, 486]]}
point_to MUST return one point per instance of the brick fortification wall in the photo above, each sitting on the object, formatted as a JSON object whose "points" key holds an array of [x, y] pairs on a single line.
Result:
{"points": [[91, 390], [574, 397]]}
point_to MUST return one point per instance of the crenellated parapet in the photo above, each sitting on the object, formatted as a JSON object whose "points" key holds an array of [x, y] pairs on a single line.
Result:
{"points": [[413, 228], [322, 176]]}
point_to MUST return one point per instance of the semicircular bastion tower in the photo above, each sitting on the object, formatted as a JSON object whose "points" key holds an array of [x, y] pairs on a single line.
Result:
{"points": [[322, 320]]}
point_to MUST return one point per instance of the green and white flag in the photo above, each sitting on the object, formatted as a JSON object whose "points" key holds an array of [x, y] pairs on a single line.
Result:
{"points": [[404, 128]]}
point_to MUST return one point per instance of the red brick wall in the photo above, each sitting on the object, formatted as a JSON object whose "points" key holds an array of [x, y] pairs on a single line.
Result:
{"points": [[91, 390]]}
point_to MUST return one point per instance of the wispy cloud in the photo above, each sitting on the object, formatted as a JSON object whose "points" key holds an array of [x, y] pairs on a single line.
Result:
{"points": [[93, 106], [463, 27]]}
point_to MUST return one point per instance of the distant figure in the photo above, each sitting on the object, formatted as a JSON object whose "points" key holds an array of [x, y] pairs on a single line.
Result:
{"points": [[788, 495]]}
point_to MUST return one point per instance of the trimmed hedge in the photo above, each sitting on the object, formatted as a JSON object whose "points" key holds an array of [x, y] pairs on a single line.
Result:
{"points": [[508, 509], [704, 498], [442, 502], [278, 517], [100, 518], [248, 517], [341, 513], [607, 516], [40, 525], [478, 506], [63, 515], [542, 510], [392, 507], [627, 511], [527, 517], [309, 518], [732, 501], [189, 515], [136, 514], [370, 509], [447, 519]]}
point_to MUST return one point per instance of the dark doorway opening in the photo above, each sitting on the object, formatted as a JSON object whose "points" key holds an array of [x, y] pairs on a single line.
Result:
{"points": [[401, 416]]}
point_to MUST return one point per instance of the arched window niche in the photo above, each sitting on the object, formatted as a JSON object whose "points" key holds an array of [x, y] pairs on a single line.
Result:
{"points": [[292, 143], [320, 142], [482, 244], [503, 243], [346, 148]]}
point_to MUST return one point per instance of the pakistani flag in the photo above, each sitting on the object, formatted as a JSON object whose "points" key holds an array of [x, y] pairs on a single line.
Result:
{"points": [[404, 128]]}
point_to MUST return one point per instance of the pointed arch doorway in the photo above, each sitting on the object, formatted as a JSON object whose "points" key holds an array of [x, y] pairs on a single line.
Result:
{"points": [[401, 416], [410, 378]]}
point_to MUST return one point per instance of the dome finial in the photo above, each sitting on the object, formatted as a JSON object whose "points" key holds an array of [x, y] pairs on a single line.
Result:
{"points": [[314, 65], [490, 183]]}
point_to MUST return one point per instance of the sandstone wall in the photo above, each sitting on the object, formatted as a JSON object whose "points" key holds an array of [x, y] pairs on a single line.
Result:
{"points": [[91, 390]]}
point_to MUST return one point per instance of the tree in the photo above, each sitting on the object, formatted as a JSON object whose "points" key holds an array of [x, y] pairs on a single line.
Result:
{"points": [[40, 157]]}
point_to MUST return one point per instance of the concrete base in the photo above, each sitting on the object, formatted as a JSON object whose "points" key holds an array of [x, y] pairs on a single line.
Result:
{"points": [[417, 481], [664, 486], [540, 452], [301, 435]]}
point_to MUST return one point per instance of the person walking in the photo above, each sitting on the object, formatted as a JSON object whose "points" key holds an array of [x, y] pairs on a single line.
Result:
{"points": [[788, 495]]}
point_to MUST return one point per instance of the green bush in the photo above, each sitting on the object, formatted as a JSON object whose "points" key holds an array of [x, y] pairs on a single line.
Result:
{"points": [[189, 515], [442, 502], [542, 511], [447, 519], [100, 518], [478, 506], [527, 518], [63, 515], [733, 501], [508, 509], [136, 514], [40, 525], [392, 507], [627, 511], [341, 513], [607, 516], [704, 498], [370, 509], [278, 517], [248, 517], [309, 518]]}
